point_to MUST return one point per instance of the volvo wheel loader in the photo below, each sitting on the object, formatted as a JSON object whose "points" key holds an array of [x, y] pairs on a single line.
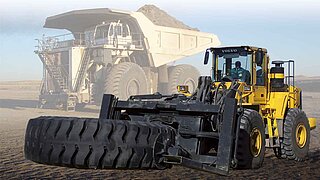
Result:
{"points": [[228, 122]]}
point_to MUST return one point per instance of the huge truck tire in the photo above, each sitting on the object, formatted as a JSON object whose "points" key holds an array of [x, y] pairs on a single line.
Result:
{"points": [[296, 132], [126, 79], [183, 74], [92, 143], [251, 141]]}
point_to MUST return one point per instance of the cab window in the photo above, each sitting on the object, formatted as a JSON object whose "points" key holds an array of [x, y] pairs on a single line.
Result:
{"points": [[237, 66], [260, 75]]}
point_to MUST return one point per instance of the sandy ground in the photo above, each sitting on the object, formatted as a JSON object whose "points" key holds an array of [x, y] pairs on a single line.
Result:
{"points": [[18, 103]]}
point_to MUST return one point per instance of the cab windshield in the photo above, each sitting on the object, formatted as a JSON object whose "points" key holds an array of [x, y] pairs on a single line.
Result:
{"points": [[236, 66]]}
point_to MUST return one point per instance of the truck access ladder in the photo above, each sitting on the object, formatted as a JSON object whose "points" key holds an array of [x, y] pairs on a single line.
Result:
{"points": [[58, 74], [82, 69]]}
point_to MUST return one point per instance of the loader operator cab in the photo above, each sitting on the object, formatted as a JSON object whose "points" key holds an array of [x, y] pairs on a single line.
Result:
{"points": [[243, 64]]}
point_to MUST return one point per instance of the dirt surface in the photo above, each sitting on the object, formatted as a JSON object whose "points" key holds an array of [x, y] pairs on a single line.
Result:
{"points": [[310, 84], [161, 18], [18, 103]]}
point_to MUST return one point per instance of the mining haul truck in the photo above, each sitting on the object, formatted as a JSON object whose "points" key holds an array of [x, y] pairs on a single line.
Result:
{"points": [[116, 52], [245, 107]]}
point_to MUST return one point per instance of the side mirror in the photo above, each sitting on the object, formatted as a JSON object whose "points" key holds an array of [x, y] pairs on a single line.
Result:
{"points": [[206, 57], [259, 58]]}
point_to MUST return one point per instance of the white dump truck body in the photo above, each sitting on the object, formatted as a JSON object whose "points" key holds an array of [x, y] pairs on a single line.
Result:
{"points": [[87, 59]]}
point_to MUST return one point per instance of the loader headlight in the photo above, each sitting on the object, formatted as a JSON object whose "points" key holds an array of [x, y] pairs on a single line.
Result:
{"points": [[183, 88]]}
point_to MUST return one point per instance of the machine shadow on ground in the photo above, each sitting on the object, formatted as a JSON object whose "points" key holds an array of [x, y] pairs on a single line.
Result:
{"points": [[92, 109], [16, 103]]}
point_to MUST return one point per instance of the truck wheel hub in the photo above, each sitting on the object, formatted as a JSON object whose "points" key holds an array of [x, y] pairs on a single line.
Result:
{"points": [[191, 84], [132, 87]]}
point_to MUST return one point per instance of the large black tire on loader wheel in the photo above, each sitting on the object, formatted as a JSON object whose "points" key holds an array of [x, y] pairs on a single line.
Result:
{"points": [[126, 79], [296, 132], [182, 74], [251, 141], [92, 143]]}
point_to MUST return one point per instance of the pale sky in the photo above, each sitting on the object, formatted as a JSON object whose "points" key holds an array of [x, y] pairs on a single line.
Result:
{"points": [[289, 29]]}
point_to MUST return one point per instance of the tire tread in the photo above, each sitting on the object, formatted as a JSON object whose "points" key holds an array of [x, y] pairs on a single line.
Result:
{"points": [[287, 149], [91, 143]]}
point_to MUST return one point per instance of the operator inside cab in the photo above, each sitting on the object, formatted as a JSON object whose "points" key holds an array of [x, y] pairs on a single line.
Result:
{"points": [[240, 73]]}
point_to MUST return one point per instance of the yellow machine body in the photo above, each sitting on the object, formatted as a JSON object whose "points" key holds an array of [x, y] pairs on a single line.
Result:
{"points": [[271, 99]]}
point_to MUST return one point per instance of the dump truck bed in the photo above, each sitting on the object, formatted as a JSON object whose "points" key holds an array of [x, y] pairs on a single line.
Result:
{"points": [[164, 44]]}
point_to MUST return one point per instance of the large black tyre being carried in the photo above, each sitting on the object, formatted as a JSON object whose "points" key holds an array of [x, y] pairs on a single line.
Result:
{"points": [[183, 74], [296, 140], [92, 143], [126, 79], [251, 141]]}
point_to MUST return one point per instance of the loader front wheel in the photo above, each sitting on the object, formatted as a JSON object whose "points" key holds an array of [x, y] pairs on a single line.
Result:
{"points": [[296, 132], [92, 143], [251, 141]]}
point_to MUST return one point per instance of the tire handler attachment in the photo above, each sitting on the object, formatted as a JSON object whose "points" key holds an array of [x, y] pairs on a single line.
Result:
{"points": [[145, 132]]}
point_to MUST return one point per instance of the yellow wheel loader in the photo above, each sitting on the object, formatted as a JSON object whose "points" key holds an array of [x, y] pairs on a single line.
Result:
{"points": [[268, 92], [244, 107]]}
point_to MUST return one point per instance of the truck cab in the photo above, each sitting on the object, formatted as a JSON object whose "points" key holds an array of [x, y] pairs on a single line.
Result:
{"points": [[113, 33]]}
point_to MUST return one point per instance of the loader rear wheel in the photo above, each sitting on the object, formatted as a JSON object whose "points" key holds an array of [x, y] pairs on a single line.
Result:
{"points": [[126, 79], [251, 141], [92, 143], [183, 74], [296, 140]]}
